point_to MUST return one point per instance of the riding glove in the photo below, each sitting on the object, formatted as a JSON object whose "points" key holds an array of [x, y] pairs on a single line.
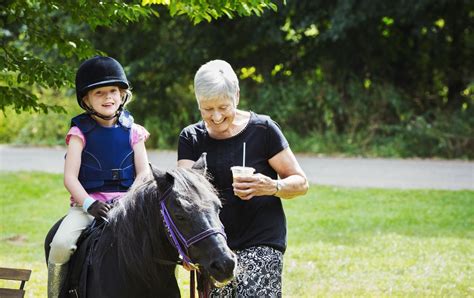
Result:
{"points": [[99, 209]]}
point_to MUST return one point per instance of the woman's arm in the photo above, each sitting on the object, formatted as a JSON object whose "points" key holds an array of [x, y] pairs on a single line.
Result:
{"points": [[185, 163], [72, 166], [292, 180]]}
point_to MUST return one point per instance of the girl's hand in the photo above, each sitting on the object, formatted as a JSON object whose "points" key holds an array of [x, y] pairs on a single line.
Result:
{"points": [[252, 186], [98, 209]]}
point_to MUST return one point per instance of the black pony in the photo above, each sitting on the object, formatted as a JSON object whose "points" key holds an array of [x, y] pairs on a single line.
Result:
{"points": [[135, 254]]}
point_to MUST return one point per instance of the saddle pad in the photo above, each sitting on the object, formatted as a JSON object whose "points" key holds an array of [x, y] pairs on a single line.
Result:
{"points": [[76, 282]]}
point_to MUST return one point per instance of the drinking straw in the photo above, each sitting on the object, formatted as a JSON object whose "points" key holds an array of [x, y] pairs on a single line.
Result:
{"points": [[243, 159]]}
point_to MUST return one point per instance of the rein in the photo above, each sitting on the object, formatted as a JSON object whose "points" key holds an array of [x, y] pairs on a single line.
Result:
{"points": [[177, 239]]}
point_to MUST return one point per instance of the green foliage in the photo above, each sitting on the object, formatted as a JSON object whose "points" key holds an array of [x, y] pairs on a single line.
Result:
{"points": [[341, 241], [43, 41], [381, 78], [198, 11], [39, 128], [377, 121], [358, 78]]}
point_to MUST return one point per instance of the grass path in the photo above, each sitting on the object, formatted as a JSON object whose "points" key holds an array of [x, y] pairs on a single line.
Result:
{"points": [[342, 242]]}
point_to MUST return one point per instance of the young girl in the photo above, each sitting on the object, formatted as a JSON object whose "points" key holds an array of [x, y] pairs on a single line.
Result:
{"points": [[105, 155]]}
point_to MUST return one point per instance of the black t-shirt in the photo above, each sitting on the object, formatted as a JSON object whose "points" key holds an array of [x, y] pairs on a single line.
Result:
{"points": [[260, 220]]}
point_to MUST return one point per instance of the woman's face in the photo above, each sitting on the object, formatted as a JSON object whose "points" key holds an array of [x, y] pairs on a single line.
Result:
{"points": [[218, 114]]}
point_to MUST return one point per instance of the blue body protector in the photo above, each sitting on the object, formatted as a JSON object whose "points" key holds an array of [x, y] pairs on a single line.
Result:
{"points": [[107, 163]]}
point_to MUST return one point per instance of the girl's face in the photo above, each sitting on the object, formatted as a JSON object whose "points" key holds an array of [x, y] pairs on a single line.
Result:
{"points": [[104, 100], [218, 114]]}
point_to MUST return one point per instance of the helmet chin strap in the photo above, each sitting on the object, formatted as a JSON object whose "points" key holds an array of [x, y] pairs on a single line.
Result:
{"points": [[91, 111]]}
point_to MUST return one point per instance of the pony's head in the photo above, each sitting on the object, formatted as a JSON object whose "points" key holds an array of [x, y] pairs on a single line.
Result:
{"points": [[190, 210]]}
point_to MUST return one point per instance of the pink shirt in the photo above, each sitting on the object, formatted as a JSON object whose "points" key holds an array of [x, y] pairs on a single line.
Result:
{"points": [[138, 133]]}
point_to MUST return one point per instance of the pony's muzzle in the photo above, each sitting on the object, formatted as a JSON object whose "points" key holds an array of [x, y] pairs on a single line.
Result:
{"points": [[223, 268], [226, 265]]}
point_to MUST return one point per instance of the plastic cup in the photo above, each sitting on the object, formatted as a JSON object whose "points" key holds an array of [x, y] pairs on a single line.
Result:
{"points": [[239, 171]]}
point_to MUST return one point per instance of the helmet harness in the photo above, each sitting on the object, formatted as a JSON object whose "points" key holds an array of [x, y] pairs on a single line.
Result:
{"points": [[91, 111]]}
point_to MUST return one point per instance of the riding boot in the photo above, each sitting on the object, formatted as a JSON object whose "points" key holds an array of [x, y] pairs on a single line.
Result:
{"points": [[56, 276]]}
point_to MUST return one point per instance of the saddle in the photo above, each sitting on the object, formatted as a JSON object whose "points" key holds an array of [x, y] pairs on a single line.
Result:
{"points": [[76, 281]]}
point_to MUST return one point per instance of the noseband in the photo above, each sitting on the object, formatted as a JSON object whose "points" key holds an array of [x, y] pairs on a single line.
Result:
{"points": [[177, 239]]}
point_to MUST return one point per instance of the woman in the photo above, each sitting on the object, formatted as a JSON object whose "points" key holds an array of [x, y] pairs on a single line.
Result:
{"points": [[252, 211]]}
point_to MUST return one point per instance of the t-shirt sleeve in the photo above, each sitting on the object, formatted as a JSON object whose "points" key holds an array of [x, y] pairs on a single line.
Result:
{"points": [[75, 131], [185, 145], [138, 133], [275, 139]]}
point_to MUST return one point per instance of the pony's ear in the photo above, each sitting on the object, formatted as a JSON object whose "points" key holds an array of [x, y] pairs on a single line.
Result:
{"points": [[169, 178], [163, 179], [157, 174], [201, 164]]}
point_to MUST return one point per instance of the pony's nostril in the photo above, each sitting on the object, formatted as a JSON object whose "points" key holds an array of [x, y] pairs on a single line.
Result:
{"points": [[223, 265]]}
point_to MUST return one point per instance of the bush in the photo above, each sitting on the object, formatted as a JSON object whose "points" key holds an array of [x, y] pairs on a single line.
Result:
{"points": [[30, 128], [374, 120], [316, 117]]}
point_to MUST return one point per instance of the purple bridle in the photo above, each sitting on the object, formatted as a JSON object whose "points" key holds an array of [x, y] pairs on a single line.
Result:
{"points": [[177, 239]]}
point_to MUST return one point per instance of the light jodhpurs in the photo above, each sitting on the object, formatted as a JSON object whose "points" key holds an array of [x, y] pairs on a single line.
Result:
{"points": [[64, 242]]}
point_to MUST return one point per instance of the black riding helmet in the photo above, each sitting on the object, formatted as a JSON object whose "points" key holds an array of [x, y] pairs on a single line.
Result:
{"points": [[98, 72]]}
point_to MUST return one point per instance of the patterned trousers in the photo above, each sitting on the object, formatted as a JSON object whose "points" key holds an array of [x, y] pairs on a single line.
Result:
{"points": [[259, 272]]}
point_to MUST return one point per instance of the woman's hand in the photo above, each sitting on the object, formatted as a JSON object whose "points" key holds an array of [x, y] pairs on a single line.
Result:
{"points": [[255, 185]]}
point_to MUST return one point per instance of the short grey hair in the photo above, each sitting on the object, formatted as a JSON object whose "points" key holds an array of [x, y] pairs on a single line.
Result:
{"points": [[216, 79]]}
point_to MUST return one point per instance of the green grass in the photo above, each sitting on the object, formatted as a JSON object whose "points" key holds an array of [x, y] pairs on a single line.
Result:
{"points": [[342, 241], [360, 242]]}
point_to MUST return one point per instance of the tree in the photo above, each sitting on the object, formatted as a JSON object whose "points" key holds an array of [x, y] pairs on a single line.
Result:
{"points": [[42, 41], [360, 72]]}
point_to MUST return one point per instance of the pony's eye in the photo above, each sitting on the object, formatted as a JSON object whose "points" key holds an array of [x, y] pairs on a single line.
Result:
{"points": [[180, 217]]}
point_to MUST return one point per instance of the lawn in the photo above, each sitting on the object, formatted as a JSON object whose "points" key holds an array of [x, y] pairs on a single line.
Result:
{"points": [[342, 241]]}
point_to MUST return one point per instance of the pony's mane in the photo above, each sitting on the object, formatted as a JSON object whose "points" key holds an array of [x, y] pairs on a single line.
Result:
{"points": [[137, 224], [188, 181]]}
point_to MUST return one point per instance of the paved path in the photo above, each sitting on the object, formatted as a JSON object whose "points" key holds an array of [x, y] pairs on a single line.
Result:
{"points": [[351, 172]]}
